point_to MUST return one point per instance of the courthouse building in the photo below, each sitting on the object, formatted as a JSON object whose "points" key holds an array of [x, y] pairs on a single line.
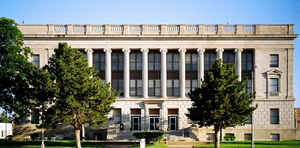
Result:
{"points": [[155, 66]]}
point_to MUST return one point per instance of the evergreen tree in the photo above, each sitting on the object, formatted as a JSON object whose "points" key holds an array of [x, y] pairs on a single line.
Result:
{"points": [[222, 101], [81, 96]]}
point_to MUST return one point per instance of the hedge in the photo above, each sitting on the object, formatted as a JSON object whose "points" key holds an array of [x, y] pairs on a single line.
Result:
{"points": [[149, 136]]}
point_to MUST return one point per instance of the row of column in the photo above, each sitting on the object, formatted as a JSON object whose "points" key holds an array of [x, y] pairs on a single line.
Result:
{"points": [[238, 68]]}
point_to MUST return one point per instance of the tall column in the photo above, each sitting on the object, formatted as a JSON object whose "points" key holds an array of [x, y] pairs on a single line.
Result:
{"points": [[163, 72], [147, 117], [200, 66], [182, 72], [220, 53], [89, 53], [238, 63], [145, 72], [107, 65], [126, 72]]}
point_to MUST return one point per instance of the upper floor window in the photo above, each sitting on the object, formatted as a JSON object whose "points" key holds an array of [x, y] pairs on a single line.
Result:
{"points": [[191, 73], [99, 62], [154, 73], [228, 57], [117, 66], [274, 116], [173, 73], [274, 60], [247, 68], [274, 86], [36, 60], [136, 84], [209, 59]]}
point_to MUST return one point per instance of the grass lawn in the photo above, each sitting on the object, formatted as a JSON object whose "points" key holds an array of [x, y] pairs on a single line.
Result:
{"points": [[48, 144], [258, 144]]}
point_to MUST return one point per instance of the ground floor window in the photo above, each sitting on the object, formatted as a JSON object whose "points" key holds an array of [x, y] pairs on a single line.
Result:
{"points": [[247, 136], [135, 123], [154, 122], [173, 123], [275, 137]]}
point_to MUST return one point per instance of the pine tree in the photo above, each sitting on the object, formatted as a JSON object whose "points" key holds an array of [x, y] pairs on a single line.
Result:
{"points": [[222, 101], [81, 96]]}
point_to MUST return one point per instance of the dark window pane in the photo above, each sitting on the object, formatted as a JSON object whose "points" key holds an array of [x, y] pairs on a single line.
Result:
{"points": [[274, 60], [154, 73], [274, 116]]}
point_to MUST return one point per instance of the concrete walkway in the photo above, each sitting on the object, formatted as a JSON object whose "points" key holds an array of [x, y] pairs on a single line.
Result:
{"points": [[180, 146]]}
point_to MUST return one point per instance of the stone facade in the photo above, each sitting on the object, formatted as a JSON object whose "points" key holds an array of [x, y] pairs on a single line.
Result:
{"points": [[263, 40]]}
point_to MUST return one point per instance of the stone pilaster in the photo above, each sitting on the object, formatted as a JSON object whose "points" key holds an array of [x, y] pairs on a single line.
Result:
{"points": [[182, 72], [145, 72], [89, 53], [126, 72], [200, 66], [107, 65], [238, 63], [163, 72]]}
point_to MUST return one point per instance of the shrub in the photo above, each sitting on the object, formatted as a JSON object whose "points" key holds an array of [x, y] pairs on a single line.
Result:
{"points": [[149, 136], [229, 138]]}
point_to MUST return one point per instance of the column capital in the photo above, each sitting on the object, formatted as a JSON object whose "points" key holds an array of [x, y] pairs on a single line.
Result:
{"points": [[219, 49], [182, 50], [201, 50], [88, 50], [238, 50], [126, 50], [145, 50], [107, 50], [163, 50]]}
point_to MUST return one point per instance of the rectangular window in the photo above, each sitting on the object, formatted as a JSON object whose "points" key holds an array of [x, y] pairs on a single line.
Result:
{"points": [[154, 73], [136, 85], [116, 117], [135, 119], [249, 121], [274, 87], [275, 137], [274, 62], [36, 60], [99, 63], [247, 68], [248, 136], [154, 119], [274, 116], [209, 60], [173, 73], [117, 72], [35, 116], [172, 119], [191, 72], [228, 57]]}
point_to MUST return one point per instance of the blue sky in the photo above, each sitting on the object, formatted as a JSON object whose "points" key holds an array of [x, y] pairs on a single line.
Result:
{"points": [[160, 12]]}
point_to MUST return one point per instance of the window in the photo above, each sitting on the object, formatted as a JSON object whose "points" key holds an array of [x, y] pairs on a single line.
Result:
{"points": [[36, 60], [274, 60], [136, 83], [209, 60], [117, 115], [191, 73], [135, 119], [35, 116], [99, 63], [274, 87], [247, 68], [117, 66], [274, 116], [249, 121], [172, 119], [173, 73], [275, 137], [154, 73], [228, 57], [248, 136], [154, 119]]}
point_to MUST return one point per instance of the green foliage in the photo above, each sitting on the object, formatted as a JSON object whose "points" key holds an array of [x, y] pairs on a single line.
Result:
{"points": [[20, 79], [80, 95], [4, 118], [149, 136], [222, 100]]}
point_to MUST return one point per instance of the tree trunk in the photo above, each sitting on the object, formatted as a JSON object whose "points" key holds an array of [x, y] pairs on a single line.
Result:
{"points": [[221, 135], [77, 137], [217, 136]]}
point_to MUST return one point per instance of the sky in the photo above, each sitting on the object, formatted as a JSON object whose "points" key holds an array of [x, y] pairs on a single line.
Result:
{"points": [[160, 12]]}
